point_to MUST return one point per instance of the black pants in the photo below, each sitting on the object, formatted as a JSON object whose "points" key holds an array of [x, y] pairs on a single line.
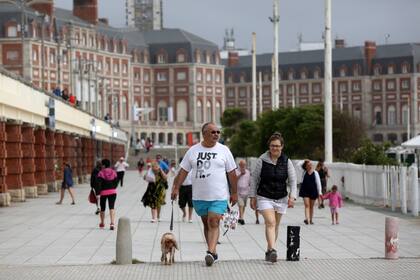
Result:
{"points": [[185, 196], [111, 201], [120, 177]]}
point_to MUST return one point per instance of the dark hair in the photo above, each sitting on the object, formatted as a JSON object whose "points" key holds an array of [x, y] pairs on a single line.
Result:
{"points": [[106, 163], [305, 163], [275, 136], [334, 188], [98, 164]]}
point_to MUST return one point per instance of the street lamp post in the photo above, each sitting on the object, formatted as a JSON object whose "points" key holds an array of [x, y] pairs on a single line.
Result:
{"points": [[328, 85]]}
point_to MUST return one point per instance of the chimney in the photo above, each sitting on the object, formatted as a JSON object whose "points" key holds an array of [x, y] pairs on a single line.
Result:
{"points": [[86, 10], [340, 43], [233, 59], [44, 8], [370, 53], [104, 21]]}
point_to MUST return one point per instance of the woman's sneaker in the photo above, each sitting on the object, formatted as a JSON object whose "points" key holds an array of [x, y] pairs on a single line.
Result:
{"points": [[271, 256], [210, 258]]}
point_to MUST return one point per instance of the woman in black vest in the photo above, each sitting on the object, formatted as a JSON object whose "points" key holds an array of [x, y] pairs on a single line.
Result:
{"points": [[310, 190], [273, 173]]}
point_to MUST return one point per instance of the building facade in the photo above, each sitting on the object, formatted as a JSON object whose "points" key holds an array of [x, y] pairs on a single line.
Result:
{"points": [[380, 85], [161, 84], [146, 15]]}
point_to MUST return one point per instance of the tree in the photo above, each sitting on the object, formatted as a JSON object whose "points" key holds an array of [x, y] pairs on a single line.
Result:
{"points": [[230, 121], [243, 143], [371, 154]]}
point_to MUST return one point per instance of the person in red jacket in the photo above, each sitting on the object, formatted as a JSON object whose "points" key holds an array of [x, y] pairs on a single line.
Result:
{"points": [[72, 99]]}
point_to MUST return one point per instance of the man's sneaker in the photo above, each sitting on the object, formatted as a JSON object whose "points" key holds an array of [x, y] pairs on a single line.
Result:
{"points": [[271, 256], [241, 221], [210, 258]]}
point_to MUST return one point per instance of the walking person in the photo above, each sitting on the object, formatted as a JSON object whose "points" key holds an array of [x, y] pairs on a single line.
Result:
{"points": [[94, 183], [154, 197], [108, 182], [140, 165], [273, 173], [185, 197], [310, 190], [120, 166], [67, 184], [335, 203], [209, 162], [323, 176], [244, 183]]}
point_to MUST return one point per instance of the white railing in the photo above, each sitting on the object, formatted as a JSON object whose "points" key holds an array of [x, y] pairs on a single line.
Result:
{"points": [[382, 186]]}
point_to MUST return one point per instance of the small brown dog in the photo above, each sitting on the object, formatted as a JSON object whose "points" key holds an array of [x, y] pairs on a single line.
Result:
{"points": [[168, 245]]}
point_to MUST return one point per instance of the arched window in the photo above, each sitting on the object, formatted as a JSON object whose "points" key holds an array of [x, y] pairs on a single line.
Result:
{"points": [[181, 110], [208, 111], [343, 71], [100, 105], [405, 68], [199, 112], [377, 70], [378, 115], [218, 112], [162, 111], [391, 115], [12, 31], [146, 116]]}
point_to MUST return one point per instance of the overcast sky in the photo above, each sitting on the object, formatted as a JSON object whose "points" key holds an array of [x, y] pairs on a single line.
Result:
{"points": [[353, 20]]}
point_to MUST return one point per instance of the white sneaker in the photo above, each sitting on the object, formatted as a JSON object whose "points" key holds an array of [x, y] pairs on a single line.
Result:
{"points": [[153, 220], [190, 221], [183, 219]]}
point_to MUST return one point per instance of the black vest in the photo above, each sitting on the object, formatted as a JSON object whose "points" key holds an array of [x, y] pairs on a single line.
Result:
{"points": [[273, 179]]}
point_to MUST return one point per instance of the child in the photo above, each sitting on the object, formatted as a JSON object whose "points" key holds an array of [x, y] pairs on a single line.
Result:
{"points": [[335, 202]]}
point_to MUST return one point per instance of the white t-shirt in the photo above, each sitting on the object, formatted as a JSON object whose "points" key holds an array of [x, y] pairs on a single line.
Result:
{"points": [[209, 167]]}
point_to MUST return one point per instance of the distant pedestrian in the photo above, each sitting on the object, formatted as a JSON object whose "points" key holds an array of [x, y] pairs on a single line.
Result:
{"points": [[140, 165], [67, 183], [273, 172], [94, 183], [107, 179], [163, 165], [137, 147], [310, 190], [323, 176], [154, 197], [121, 166], [244, 183], [72, 99], [185, 196], [57, 92], [65, 94], [335, 203]]}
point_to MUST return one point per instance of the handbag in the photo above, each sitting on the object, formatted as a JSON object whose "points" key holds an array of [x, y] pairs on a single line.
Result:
{"points": [[92, 197]]}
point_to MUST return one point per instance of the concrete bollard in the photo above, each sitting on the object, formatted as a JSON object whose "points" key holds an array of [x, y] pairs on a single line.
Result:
{"points": [[293, 243], [124, 244], [391, 238]]}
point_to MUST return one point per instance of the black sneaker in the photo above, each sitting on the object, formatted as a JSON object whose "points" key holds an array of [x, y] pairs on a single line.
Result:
{"points": [[306, 222], [271, 256], [210, 258], [241, 221]]}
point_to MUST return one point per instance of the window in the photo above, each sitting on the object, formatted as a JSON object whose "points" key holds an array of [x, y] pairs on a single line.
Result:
{"points": [[181, 58], [100, 66], [181, 76], [378, 115], [108, 66], [356, 70], [161, 58], [84, 40], [181, 110], [356, 86], [290, 89], [303, 75], [208, 112], [356, 113], [209, 77], [230, 92], [161, 76], [199, 76], [391, 115], [342, 72], [377, 70], [125, 68], [266, 91], [146, 76], [405, 112], [316, 88], [12, 31], [136, 76], [199, 112], [162, 111], [124, 108], [290, 75], [12, 55], [405, 84], [35, 55], [304, 89], [218, 112], [52, 58], [242, 92], [242, 78], [390, 84], [116, 68], [390, 69], [316, 74], [404, 68], [376, 85], [343, 87], [218, 78]]}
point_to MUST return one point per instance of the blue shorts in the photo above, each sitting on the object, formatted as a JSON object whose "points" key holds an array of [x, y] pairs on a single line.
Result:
{"points": [[203, 207]]}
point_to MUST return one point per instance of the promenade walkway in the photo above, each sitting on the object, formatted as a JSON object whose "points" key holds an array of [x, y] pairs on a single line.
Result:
{"points": [[68, 240]]}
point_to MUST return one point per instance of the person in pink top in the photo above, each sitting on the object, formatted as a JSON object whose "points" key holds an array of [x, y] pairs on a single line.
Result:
{"points": [[244, 183], [107, 181], [335, 201]]}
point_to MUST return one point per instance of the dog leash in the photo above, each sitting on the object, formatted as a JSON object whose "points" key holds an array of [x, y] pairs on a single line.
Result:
{"points": [[171, 226]]}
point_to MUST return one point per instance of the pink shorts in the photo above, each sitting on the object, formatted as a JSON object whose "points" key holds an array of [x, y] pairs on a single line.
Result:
{"points": [[334, 210]]}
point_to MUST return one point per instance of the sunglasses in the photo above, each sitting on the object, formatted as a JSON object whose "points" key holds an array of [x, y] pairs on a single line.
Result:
{"points": [[215, 132]]}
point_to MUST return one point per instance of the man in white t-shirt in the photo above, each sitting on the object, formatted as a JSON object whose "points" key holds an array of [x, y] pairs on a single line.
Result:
{"points": [[209, 162]]}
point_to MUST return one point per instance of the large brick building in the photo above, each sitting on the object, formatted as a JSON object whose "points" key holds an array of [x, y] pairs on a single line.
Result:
{"points": [[172, 74], [378, 84]]}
